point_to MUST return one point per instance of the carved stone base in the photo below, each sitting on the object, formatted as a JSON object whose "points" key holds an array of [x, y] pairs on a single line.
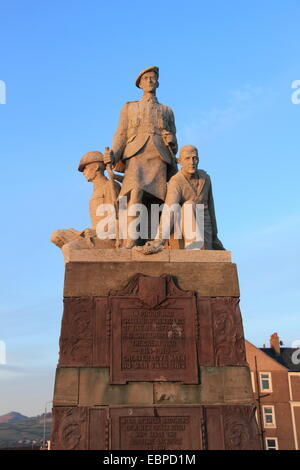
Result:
{"points": [[155, 428], [150, 328], [152, 356]]}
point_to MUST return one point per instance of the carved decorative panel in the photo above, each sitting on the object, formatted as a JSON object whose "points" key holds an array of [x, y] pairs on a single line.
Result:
{"points": [[80, 428], [240, 428], [221, 337], [70, 425], [84, 339], [229, 339]]}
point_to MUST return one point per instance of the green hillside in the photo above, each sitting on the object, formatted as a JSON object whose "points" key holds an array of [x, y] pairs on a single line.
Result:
{"points": [[31, 429]]}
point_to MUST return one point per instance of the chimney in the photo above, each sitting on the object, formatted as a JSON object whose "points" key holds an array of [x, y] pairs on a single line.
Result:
{"points": [[274, 343]]}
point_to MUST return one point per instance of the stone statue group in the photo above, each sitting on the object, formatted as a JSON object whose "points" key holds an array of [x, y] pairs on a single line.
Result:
{"points": [[144, 150]]}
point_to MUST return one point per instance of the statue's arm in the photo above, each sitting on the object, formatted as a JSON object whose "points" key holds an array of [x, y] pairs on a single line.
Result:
{"points": [[211, 208], [171, 204], [170, 134], [172, 122], [120, 137], [174, 193], [216, 243]]}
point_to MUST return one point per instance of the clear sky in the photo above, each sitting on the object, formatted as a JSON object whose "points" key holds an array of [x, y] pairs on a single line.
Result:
{"points": [[226, 69]]}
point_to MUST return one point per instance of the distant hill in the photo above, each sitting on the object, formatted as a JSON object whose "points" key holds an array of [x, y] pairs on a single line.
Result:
{"points": [[17, 430], [12, 417]]}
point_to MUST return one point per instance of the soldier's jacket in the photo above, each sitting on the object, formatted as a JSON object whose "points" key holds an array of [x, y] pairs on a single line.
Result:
{"points": [[181, 190], [140, 121]]}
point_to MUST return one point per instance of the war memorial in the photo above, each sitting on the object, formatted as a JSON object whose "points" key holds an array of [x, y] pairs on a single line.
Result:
{"points": [[152, 353]]}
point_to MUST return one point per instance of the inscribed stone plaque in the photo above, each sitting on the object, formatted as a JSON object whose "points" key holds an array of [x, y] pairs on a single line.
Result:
{"points": [[159, 428], [154, 330]]}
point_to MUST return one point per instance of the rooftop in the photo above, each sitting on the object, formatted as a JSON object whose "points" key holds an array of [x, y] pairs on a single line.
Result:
{"points": [[285, 358]]}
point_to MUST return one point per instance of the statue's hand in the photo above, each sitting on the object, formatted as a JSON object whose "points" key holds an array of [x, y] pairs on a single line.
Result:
{"points": [[108, 156], [151, 247], [168, 138], [89, 235], [170, 142]]}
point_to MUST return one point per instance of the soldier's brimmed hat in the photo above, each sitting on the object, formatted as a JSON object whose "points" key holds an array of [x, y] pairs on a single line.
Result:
{"points": [[90, 157], [153, 68]]}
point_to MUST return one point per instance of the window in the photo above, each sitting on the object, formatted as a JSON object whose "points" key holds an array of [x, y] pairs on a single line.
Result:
{"points": [[269, 416], [265, 382], [271, 443]]}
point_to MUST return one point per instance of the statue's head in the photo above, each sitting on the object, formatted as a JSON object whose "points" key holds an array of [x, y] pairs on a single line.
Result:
{"points": [[147, 79], [91, 164], [188, 158]]}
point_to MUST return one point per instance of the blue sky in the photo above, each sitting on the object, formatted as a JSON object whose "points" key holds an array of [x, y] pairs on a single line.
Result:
{"points": [[226, 69]]}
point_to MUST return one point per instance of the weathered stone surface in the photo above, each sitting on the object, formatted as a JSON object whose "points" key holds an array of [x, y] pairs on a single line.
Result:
{"points": [[205, 346], [159, 428], [212, 380], [102, 333], [214, 428], [237, 385], [163, 256], [200, 256], [240, 428], [84, 339], [227, 427], [115, 330], [69, 430], [80, 428], [226, 385], [89, 386], [66, 386], [95, 389], [75, 253], [231, 427], [84, 279], [172, 393], [219, 385], [153, 331], [77, 329], [229, 341], [221, 335]]}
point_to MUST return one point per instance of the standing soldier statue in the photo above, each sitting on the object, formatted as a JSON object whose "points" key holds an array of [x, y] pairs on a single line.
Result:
{"points": [[144, 146]]}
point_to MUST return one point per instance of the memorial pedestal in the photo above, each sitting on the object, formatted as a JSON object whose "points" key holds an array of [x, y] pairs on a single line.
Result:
{"points": [[152, 353]]}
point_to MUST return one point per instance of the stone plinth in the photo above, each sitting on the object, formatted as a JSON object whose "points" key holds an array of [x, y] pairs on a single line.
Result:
{"points": [[152, 353], [94, 273], [76, 254]]}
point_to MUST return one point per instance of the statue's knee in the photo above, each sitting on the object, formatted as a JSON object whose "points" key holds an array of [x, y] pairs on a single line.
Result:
{"points": [[56, 238]]}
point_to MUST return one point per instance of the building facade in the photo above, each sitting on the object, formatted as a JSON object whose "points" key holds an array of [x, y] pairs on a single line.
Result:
{"points": [[275, 373]]}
